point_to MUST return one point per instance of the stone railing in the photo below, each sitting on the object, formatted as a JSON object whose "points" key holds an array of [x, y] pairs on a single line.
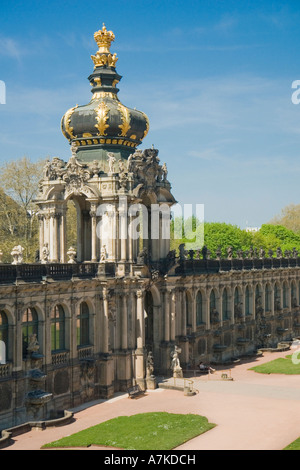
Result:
{"points": [[60, 358], [199, 266], [85, 352], [189, 262], [57, 271], [5, 370]]}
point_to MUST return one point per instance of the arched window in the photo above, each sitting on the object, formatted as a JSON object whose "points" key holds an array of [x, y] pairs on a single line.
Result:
{"points": [[214, 315], [212, 301], [29, 327], [199, 309], [82, 327], [268, 298], [57, 328], [247, 302], [3, 337], [277, 300], [225, 305], [238, 311]]}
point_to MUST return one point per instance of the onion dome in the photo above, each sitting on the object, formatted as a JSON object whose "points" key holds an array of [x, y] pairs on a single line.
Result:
{"points": [[104, 124]]}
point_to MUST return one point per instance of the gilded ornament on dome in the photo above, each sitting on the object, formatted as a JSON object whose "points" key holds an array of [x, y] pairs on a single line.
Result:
{"points": [[66, 121], [125, 116], [104, 59], [101, 117], [104, 94], [147, 124]]}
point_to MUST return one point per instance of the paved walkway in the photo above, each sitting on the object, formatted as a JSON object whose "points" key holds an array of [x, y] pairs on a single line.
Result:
{"points": [[252, 412]]}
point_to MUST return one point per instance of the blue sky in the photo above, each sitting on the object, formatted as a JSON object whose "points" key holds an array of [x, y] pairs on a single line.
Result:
{"points": [[214, 77]]}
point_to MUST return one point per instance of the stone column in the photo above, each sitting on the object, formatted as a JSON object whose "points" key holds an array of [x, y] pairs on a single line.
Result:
{"points": [[105, 329], [123, 233], [140, 352], [54, 237], [41, 232], [252, 301], [47, 230], [183, 310], [63, 238], [173, 316], [93, 233], [289, 296], [166, 316], [47, 350], [231, 306], [130, 241], [193, 305], [124, 339], [272, 300], [207, 311]]}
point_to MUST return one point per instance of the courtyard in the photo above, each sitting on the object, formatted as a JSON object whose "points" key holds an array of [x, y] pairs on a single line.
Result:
{"points": [[252, 412]]}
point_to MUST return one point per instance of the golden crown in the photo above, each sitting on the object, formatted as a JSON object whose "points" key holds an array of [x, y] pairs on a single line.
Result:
{"points": [[104, 39]]}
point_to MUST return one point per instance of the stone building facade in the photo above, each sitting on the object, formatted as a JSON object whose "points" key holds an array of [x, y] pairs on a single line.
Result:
{"points": [[79, 324]]}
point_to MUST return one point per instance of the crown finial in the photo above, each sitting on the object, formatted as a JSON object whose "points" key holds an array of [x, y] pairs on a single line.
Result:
{"points": [[104, 39], [103, 56]]}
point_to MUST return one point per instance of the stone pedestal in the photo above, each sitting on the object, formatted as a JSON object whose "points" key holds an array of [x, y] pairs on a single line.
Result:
{"points": [[177, 373], [151, 382]]}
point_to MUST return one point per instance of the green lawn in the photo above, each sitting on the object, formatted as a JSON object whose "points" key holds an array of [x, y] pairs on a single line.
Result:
{"points": [[145, 431], [283, 365], [294, 445]]}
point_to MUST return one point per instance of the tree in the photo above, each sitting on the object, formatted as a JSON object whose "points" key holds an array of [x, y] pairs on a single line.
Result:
{"points": [[19, 181], [289, 218]]}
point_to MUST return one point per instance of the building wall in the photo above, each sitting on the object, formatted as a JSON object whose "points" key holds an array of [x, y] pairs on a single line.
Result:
{"points": [[123, 326]]}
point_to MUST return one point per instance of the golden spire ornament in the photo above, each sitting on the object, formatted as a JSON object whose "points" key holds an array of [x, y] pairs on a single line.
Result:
{"points": [[104, 39], [103, 56]]}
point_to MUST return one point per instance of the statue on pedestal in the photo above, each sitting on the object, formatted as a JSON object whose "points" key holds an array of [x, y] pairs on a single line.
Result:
{"points": [[175, 364]]}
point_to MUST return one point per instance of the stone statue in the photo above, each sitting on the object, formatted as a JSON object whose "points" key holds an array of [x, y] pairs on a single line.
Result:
{"points": [[258, 305], [111, 161], [130, 163], [175, 364], [164, 171], [73, 149], [181, 251], [277, 305], [142, 257], [33, 345], [103, 254], [72, 255], [45, 254], [204, 252], [214, 315], [262, 253], [17, 254], [150, 365], [238, 310]]}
